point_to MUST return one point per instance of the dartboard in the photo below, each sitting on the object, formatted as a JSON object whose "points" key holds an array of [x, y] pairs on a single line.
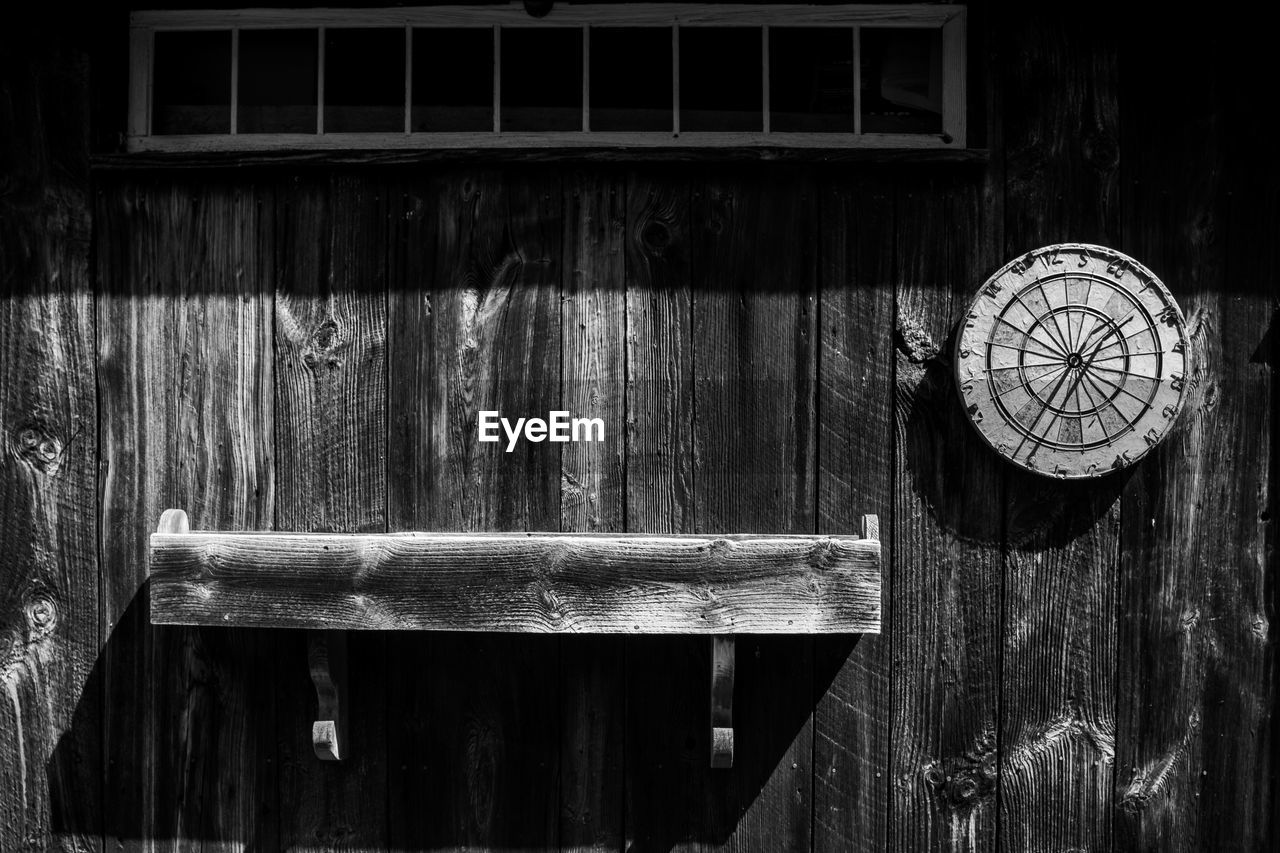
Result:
{"points": [[1073, 361]]}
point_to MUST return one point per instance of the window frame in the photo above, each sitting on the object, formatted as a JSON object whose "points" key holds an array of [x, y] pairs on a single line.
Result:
{"points": [[949, 19]]}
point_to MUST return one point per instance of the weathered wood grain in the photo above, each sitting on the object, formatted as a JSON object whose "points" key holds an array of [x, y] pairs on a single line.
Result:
{"points": [[755, 367], [675, 158], [1242, 794], [50, 736], [592, 498], [855, 456], [544, 583], [615, 14], [1195, 692], [330, 446], [185, 377], [477, 323], [946, 541], [1058, 652], [663, 682], [659, 445]]}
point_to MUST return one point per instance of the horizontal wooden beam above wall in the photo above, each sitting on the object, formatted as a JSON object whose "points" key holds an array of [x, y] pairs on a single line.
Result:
{"points": [[563, 15], [518, 582], [148, 161]]}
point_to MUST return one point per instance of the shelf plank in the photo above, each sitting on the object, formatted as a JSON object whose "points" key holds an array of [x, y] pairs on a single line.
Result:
{"points": [[518, 582]]}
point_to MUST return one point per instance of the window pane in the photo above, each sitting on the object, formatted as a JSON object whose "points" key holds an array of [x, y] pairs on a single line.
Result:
{"points": [[631, 78], [192, 83], [720, 85], [278, 81], [901, 81], [811, 79], [541, 79], [363, 80], [452, 79]]}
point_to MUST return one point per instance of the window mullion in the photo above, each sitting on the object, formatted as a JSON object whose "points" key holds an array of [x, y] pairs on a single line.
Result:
{"points": [[764, 77], [408, 78], [675, 80], [320, 82], [235, 80], [497, 78], [857, 81], [586, 79]]}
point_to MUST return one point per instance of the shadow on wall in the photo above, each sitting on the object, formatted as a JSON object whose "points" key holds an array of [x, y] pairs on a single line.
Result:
{"points": [[949, 463], [207, 738]]}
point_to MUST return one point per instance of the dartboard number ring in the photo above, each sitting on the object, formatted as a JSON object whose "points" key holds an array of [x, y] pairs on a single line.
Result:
{"points": [[1073, 361]]}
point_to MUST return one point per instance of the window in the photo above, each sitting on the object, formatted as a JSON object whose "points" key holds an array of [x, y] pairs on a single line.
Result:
{"points": [[647, 75]]}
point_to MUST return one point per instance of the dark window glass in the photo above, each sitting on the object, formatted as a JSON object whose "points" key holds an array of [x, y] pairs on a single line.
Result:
{"points": [[901, 81], [452, 79], [811, 79], [631, 78], [363, 80], [541, 79], [720, 85], [192, 92], [278, 81]]}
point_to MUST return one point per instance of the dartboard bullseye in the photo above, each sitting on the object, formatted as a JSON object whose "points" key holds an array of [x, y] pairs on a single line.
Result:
{"points": [[1073, 361]]}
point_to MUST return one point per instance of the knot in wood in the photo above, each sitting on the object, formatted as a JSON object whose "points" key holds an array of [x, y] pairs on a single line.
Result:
{"points": [[333, 836], [39, 447], [962, 789], [718, 548], [42, 616], [934, 777], [322, 346], [551, 604], [656, 236], [914, 341], [1101, 150], [822, 553]]}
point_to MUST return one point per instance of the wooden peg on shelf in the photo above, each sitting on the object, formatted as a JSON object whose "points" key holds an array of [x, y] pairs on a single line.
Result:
{"points": [[722, 663], [173, 521], [327, 658]]}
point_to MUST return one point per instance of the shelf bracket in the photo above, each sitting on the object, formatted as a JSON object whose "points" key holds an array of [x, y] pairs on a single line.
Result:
{"points": [[327, 659], [722, 662]]}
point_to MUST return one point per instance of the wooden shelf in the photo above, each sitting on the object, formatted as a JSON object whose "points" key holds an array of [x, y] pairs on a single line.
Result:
{"points": [[518, 582], [514, 582]]}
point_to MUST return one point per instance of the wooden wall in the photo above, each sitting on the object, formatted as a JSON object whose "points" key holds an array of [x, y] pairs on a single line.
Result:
{"points": [[1064, 666]]}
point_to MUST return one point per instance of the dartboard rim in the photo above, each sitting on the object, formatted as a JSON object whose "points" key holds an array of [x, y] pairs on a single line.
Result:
{"points": [[1102, 252]]}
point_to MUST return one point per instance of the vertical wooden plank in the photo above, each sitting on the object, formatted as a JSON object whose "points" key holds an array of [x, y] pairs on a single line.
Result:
{"points": [[1194, 687], [1241, 789], [184, 382], [412, 413], [49, 580], [855, 457], [946, 540], [331, 440], [476, 316], [593, 479], [1058, 624], [666, 676], [659, 357], [755, 369]]}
